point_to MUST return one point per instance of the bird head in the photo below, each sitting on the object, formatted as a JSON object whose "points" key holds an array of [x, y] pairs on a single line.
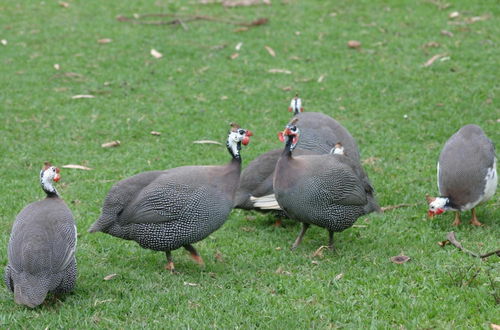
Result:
{"points": [[291, 132], [437, 205], [296, 105]]}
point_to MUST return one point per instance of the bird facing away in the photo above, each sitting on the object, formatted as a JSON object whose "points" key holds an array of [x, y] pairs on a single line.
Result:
{"points": [[466, 174], [42, 247], [325, 190], [166, 210]]}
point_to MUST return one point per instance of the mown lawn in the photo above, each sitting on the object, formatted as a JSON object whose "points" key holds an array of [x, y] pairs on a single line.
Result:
{"points": [[400, 112]]}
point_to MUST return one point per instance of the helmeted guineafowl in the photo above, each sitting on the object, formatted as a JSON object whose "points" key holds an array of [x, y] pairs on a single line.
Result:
{"points": [[166, 210], [42, 247], [320, 132], [466, 173], [325, 190], [319, 135]]}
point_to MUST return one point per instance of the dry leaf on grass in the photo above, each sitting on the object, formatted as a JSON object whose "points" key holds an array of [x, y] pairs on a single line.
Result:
{"points": [[155, 53], [286, 88], [433, 59], [218, 256], [315, 262], [234, 56], [111, 144], [57, 66], [83, 96], [339, 276], [353, 44], [104, 41], [248, 229], [241, 29], [4, 42], [155, 133], [77, 167], [319, 251], [279, 71], [270, 51], [279, 248], [446, 33], [443, 243], [109, 277], [244, 3], [321, 78], [432, 44], [280, 270], [400, 259], [454, 14], [370, 160], [238, 46], [64, 4], [207, 142], [190, 284]]}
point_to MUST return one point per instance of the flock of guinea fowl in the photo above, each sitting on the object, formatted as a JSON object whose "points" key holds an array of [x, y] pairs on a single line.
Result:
{"points": [[317, 178]]}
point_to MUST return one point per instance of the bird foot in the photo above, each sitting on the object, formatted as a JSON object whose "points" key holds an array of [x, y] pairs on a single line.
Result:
{"points": [[456, 222], [198, 259], [170, 267], [475, 222]]}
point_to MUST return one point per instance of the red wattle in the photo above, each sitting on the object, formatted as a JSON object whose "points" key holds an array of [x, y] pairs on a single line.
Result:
{"points": [[281, 137], [245, 140]]}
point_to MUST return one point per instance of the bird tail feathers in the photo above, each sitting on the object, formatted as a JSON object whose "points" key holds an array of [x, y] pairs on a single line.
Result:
{"points": [[267, 202]]}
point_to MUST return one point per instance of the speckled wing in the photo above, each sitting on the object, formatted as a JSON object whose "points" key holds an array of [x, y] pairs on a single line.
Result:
{"points": [[336, 182], [176, 197]]}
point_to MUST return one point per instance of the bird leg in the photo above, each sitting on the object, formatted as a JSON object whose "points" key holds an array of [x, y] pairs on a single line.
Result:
{"points": [[457, 219], [330, 240], [301, 235], [474, 220], [170, 263], [194, 254]]}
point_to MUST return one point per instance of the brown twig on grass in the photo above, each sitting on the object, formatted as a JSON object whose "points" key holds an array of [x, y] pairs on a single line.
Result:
{"points": [[453, 240], [178, 19], [397, 206]]}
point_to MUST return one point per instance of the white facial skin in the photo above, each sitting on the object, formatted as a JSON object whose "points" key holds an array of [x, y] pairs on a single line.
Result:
{"points": [[234, 138], [438, 205], [293, 134], [337, 150], [46, 178], [296, 105]]}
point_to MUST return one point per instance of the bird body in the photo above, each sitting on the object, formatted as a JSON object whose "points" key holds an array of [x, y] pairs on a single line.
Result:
{"points": [[466, 173], [320, 133], [166, 210], [41, 250], [330, 191]]}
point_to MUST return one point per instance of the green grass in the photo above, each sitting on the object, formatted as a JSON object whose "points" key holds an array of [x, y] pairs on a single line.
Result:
{"points": [[192, 93]]}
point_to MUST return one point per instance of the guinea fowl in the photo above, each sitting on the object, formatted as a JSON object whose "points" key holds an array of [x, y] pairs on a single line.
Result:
{"points": [[325, 190], [466, 173], [166, 210], [320, 132], [319, 135], [42, 247]]}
